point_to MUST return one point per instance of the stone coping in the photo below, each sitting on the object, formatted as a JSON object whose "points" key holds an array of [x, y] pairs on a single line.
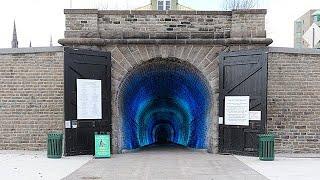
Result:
{"points": [[154, 12], [102, 42], [288, 50], [31, 50]]}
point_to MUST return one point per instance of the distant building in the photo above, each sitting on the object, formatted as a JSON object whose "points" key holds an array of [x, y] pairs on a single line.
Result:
{"points": [[164, 5], [302, 25]]}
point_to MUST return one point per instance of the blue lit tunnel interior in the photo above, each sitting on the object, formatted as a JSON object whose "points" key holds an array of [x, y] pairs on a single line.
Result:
{"points": [[164, 101]]}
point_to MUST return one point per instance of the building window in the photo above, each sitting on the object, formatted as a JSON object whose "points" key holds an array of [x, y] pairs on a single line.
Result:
{"points": [[298, 45], [164, 5], [160, 5], [299, 34], [168, 5], [298, 26]]}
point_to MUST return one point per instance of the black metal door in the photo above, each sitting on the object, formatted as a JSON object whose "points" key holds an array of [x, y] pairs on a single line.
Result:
{"points": [[85, 64], [243, 73]]}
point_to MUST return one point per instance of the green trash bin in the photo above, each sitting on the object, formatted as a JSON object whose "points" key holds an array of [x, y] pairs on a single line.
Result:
{"points": [[54, 145], [266, 147], [102, 145]]}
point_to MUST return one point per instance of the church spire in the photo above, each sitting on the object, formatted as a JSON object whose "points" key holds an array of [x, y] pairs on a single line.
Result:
{"points": [[51, 41], [14, 42]]}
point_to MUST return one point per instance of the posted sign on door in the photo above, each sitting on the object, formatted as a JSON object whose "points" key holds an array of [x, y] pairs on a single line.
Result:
{"points": [[237, 110], [89, 105]]}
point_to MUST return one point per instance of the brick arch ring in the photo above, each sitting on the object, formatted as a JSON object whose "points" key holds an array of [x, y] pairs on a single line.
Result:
{"points": [[165, 99]]}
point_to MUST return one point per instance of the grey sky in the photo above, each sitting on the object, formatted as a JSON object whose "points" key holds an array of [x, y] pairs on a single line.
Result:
{"points": [[36, 20]]}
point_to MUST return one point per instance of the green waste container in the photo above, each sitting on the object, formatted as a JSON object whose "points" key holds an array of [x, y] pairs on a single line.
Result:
{"points": [[266, 147], [102, 145], [54, 145]]}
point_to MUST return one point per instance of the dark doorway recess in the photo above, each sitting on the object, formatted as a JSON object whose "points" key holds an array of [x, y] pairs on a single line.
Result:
{"points": [[85, 64], [243, 73]]}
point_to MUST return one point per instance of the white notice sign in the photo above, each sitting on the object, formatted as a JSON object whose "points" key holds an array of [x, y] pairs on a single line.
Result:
{"points": [[89, 105], [237, 110], [220, 120], [255, 115], [67, 124]]}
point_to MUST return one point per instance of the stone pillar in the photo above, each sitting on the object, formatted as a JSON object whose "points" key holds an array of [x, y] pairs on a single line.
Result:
{"points": [[248, 23]]}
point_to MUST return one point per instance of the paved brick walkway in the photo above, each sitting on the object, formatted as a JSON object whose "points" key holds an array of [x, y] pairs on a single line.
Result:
{"points": [[161, 163]]}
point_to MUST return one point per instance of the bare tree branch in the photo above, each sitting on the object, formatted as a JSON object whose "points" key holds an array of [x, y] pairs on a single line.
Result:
{"points": [[101, 4], [240, 4]]}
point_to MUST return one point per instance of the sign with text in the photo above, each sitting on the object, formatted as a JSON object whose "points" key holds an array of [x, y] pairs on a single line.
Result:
{"points": [[102, 145], [67, 124], [237, 110], [255, 115], [89, 103], [220, 120]]}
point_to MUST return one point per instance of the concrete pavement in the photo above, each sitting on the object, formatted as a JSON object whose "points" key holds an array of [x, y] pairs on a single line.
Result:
{"points": [[34, 165], [161, 163], [286, 168], [157, 163]]}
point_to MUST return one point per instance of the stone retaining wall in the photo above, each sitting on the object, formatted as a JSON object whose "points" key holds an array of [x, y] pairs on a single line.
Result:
{"points": [[294, 99], [31, 96]]}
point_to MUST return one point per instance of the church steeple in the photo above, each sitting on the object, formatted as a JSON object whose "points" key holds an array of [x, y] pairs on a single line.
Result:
{"points": [[14, 42], [51, 41]]}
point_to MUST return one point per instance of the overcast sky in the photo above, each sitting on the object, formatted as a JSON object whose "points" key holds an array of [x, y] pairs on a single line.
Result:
{"points": [[37, 20]]}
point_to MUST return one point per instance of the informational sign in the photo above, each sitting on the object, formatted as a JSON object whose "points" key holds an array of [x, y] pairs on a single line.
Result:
{"points": [[237, 110], [102, 145], [67, 124], [74, 124], [89, 103], [220, 120], [255, 115]]}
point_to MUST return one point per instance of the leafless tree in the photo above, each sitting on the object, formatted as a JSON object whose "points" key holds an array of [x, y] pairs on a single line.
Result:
{"points": [[101, 4], [240, 4]]}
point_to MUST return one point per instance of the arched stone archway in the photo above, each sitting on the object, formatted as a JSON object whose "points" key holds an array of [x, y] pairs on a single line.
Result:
{"points": [[169, 94], [126, 58]]}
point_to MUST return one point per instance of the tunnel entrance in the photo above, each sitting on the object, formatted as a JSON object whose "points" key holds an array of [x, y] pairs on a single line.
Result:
{"points": [[164, 101]]}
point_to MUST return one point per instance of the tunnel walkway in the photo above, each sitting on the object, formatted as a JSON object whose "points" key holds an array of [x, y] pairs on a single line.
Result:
{"points": [[166, 162]]}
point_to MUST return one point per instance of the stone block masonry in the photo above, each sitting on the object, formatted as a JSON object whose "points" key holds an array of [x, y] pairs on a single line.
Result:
{"points": [[294, 99], [31, 96], [92, 23]]}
